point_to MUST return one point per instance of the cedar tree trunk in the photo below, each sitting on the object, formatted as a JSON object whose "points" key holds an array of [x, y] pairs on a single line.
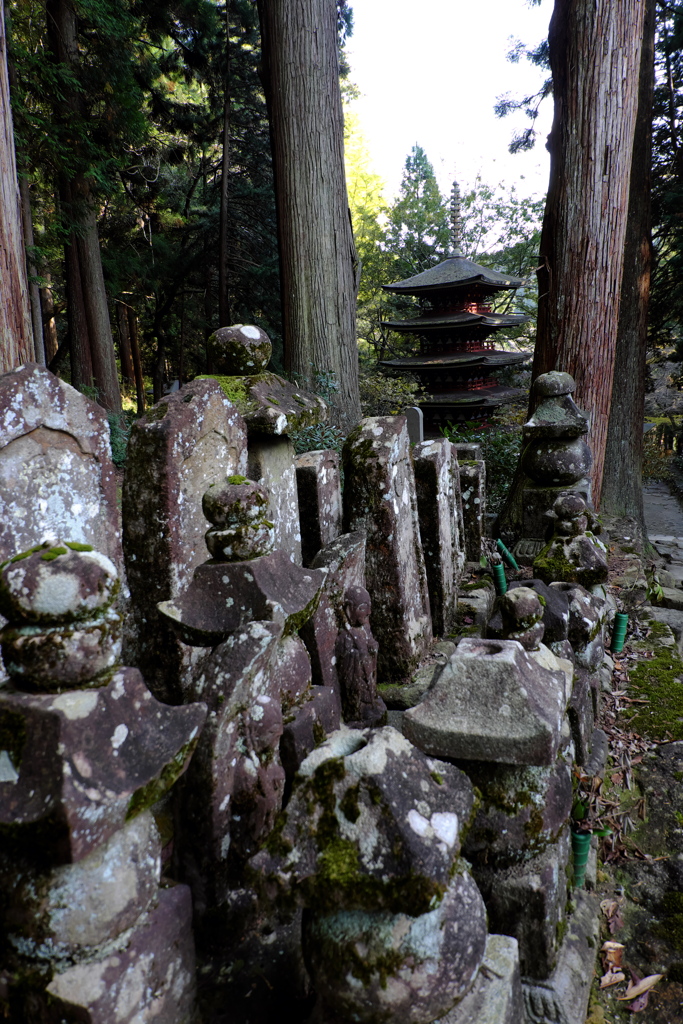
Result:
{"points": [[16, 334], [92, 344], [317, 253], [224, 313], [622, 483], [595, 50]]}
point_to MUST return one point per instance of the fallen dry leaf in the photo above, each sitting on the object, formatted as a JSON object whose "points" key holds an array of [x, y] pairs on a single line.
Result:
{"points": [[640, 1003], [612, 978], [642, 986]]}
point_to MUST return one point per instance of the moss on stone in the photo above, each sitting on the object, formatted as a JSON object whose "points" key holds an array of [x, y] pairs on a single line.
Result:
{"points": [[237, 479], [235, 390], [52, 553], [147, 795], [75, 546]]}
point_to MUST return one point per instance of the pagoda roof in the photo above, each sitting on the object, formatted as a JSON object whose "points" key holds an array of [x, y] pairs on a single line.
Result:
{"points": [[487, 357], [454, 272], [443, 321], [487, 397]]}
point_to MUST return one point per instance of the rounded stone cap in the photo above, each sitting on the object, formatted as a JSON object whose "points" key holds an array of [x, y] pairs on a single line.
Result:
{"points": [[240, 502], [242, 349], [554, 383], [522, 605], [56, 583], [569, 506]]}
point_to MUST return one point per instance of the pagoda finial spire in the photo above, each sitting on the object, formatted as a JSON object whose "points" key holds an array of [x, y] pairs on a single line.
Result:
{"points": [[456, 221]]}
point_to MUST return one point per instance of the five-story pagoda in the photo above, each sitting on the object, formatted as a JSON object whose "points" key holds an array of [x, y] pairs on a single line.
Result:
{"points": [[456, 361]]}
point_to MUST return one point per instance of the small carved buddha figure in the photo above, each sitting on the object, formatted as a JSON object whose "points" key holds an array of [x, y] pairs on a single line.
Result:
{"points": [[356, 652]]}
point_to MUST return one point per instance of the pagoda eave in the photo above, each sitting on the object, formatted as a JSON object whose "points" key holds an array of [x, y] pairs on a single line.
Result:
{"points": [[490, 397], [454, 272], [425, 324], [457, 360]]}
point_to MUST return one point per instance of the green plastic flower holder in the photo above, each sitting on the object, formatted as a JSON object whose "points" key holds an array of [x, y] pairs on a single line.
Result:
{"points": [[619, 632], [581, 847], [506, 555], [499, 580]]}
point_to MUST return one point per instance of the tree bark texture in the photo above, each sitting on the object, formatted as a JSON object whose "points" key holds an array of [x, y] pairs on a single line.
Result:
{"points": [[595, 50], [317, 252], [16, 333], [622, 482], [224, 312], [33, 286], [92, 344]]}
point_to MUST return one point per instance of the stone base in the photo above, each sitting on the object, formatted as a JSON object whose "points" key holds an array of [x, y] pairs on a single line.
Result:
{"points": [[528, 902], [496, 995], [151, 980], [526, 550], [563, 997]]}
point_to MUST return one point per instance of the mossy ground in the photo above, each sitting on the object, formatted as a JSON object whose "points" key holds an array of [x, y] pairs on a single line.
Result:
{"points": [[657, 679]]}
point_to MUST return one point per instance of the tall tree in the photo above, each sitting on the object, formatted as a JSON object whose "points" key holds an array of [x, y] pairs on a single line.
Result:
{"points": [[16, 337], [595, 48], [622, 491], [418, 231], [93, 360], [318, 263]]}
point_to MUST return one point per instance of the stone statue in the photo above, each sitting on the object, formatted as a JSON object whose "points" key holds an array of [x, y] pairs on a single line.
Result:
{"points": [[356, 653], [574, 555]]}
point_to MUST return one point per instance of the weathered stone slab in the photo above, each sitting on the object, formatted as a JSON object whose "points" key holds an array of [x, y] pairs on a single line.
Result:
{"points": [[379, 497], [437, 511], [492, 702], [151, 981], [78, 907], [292, 670], [415, 423], [188, 441], [475, 604], [371, 824], [563, 997], [344, 560], [234, 787], [223, 596], [80, 763], [272, 464], [581, 713], [320, 503], [56, 473], [496, 995], [473, 491], [401, 697], [587, 615], [528, 902]]}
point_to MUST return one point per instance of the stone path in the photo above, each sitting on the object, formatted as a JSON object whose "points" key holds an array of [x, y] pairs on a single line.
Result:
{"points": [[664, 521]]}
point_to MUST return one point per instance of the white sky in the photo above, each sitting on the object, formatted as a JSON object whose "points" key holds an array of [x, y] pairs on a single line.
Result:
{"points": [[430, 72]]}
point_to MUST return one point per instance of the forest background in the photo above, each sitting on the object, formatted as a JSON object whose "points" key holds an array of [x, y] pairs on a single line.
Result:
{"points": [[143, 139]]}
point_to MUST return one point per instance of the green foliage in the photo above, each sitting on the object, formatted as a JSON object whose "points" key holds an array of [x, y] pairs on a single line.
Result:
{"points": [[319, 437], [384, 395], [666, 297], [500, 450], [140, 113], [119, 431], [418, 231]]}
